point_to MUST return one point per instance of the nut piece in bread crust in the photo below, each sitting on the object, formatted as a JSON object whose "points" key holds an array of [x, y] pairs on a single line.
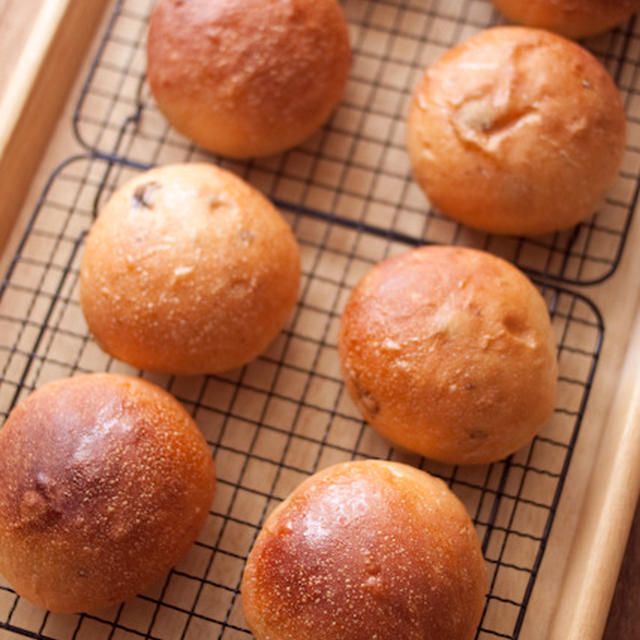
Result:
{"points": [[188, 270], [449, 352], [363, 550], [570, 18], [106, 482], [516, 131], [247, 78]]}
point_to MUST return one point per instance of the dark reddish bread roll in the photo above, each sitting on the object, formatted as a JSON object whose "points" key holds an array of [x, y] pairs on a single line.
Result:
{"points": [[247, 77], [516, 131], [106, 482], [449, 352], [366, 550], [188, 270], [571, 18]]}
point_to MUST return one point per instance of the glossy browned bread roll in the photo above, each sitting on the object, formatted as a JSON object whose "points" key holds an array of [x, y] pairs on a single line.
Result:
{"points": [[516, 131], [449, 352], [571, 18], [106, 483], [366, 550], [247, 77], [188, 270]]}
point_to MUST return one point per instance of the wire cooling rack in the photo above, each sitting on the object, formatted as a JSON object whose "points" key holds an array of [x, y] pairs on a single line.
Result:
{"points": [[273, 422], [357, 167]]}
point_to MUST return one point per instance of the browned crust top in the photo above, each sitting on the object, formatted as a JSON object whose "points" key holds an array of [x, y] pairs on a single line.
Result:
{"points": [[106, 482], [516, 130], [366, 550], [188, 269], [449, 351], [571, 18], [247, 77]]}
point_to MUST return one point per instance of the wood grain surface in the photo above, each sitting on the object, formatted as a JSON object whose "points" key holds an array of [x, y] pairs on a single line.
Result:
{"points": [[16, 22], [45, 45]]}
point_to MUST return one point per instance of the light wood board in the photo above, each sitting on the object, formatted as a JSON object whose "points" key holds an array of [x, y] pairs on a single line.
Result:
{"points": [[577, 577]]}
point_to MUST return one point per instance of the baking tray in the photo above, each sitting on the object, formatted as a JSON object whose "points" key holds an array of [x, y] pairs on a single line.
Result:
{"points": [[277, 420]]}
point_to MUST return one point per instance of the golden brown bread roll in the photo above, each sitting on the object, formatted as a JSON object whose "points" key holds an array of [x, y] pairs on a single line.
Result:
{"points": [[571, 18], [366, 550], [449, 352], [188, 270], [106, 483], [516, 131], [247, 77]]}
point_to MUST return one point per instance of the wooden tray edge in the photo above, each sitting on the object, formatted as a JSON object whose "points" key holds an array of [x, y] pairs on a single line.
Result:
{"points": [[607, 514], [36, 94]]}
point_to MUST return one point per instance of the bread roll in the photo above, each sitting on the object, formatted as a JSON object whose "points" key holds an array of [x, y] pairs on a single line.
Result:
{"points": [[571, 18], [188, 270], [366, 550], [449, 352], [516, 131], [247, 77], [106, 482]]}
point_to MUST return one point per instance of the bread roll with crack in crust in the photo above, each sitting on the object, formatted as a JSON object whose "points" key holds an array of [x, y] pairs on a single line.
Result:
{"points": [[107, 481], [516, 131], [570, 18], [247, 78], [188, 270], [449, 352], [364, 550]]}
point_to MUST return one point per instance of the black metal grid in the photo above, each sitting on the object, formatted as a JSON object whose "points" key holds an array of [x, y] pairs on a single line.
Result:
{"points": [[273, 422], [356, 167]]}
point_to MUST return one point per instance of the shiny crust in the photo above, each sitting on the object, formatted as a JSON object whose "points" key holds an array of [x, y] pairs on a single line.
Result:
{"points": [[106, 482], [516, 131], [247, 77], [188, 270], [571, 18], [366, 550], [449, 352]]}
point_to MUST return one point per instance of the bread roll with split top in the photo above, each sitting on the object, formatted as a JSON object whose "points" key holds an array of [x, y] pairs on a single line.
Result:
{"points": [[516, 131]]}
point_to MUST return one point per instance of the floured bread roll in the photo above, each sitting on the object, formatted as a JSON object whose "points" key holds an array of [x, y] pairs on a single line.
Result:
{"points": [[516, 131], [247, 77], [366, 550], [106, 482], [188, 270], [571, 18], [449, 352]]}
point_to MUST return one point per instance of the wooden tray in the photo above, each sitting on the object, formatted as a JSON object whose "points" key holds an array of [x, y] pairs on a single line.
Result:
{"points": [[284, 416]]}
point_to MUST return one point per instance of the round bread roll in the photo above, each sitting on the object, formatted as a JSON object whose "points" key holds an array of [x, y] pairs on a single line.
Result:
{"points": [[188, 270], [516, 131], [106, 482], [247, 77], [366, 550], [449, 352], [571, 18]]}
